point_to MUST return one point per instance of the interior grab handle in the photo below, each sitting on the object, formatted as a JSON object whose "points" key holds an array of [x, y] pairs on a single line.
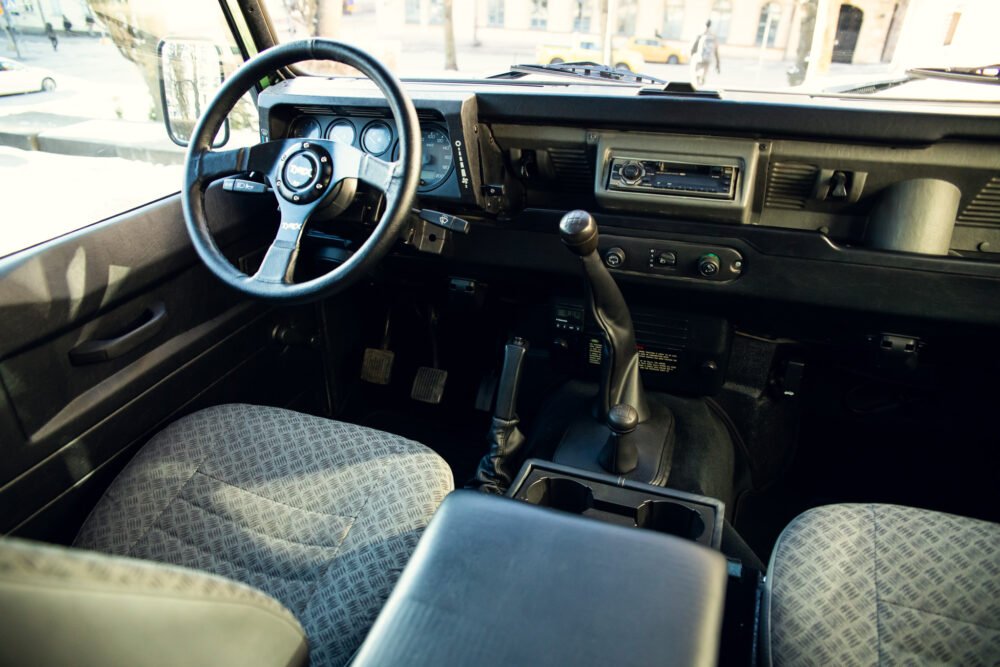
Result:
{"points": [[104, 349]]}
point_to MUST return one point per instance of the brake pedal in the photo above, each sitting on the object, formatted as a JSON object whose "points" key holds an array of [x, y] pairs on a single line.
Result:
{"points": [[428, 385], [376, 368]]}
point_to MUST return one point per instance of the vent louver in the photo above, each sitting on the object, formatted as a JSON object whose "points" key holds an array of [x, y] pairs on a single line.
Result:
{"points": [[573, 168], [424, 115], [789, 185], [984, 209]]}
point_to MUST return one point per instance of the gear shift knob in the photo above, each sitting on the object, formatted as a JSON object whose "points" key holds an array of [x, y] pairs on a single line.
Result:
{"points": [[621, 455], [578, 231], [623, 419]]}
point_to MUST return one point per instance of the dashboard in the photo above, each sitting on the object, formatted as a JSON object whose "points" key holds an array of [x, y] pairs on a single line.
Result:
{"points": [[891, 212]]}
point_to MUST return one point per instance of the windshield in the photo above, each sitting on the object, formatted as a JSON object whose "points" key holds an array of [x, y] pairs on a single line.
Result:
{"points": [[807, 46]]}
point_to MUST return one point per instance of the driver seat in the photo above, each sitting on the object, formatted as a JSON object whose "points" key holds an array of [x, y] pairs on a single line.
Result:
{"points": [[320, 515]]}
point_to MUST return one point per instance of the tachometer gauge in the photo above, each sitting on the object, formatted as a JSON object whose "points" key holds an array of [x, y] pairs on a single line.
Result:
{"points": [[437, 158], [305, 127], [376, 138], [342, 131]]}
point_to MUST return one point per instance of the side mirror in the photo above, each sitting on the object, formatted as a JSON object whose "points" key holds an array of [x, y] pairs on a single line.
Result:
{"points": [[190, 72]]}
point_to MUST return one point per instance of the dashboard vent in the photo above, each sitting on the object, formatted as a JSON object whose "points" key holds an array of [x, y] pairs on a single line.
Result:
{"points": [[984, 209], [789, 185], [423, 115], [572, 167]]}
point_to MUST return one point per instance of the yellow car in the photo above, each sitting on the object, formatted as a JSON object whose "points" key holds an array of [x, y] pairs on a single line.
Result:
{"points": [[655, 50], [589, 50]]}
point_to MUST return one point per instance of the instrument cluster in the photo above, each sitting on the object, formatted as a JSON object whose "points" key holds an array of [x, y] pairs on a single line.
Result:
{"points": [[378, 137]]}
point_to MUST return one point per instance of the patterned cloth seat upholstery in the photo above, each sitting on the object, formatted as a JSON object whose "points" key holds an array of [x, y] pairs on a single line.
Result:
{"points": [[319, 514], [883, 585]]}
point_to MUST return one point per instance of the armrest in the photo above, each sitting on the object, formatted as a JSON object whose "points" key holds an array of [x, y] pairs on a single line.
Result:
{"points": [[496, 581]]}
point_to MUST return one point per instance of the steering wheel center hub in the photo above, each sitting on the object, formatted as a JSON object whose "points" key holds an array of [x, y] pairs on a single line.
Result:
{"points": [[304, 173]]}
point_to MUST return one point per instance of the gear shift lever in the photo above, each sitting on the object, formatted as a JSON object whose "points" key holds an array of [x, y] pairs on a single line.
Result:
{"points": [[620, 381]]}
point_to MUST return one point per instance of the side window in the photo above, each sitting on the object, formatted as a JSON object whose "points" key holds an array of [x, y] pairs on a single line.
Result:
{"points": [[82, 134]]}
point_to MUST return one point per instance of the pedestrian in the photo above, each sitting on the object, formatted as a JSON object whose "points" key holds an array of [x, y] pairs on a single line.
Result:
{"points": [[67, 24], [704, 50], [51, 34]]}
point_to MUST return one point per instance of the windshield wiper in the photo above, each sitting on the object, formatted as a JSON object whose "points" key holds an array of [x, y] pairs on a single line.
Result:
{"points": [[984, 74], [580, 70], [989, 74]]}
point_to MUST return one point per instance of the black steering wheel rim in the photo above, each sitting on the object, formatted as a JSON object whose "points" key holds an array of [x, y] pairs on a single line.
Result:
{"points": [[203, 166]]}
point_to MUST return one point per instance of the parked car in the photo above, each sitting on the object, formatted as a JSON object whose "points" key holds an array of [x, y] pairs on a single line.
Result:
{"points": [[656, 50], [18, 78], [587, 49]]}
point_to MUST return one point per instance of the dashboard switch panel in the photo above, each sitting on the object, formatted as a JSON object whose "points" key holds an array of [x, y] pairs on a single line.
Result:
{"points": [[705, 262]]}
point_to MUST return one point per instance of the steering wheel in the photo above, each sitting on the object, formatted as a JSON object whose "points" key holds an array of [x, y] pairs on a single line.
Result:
{"points": [[302, 173]]}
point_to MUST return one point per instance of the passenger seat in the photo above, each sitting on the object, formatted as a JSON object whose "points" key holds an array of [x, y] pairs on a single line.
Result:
{"points": [[883, 584]]}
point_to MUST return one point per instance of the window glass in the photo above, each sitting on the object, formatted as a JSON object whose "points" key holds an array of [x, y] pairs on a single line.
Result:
{"points": [[767, 27], [495, 13], [859, 44], [673, 19], [722, 16], [82, 136], [539, 14]]}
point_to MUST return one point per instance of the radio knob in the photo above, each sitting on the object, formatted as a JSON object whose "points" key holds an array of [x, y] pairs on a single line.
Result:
{"points": [[632, 172], [708, 265]]}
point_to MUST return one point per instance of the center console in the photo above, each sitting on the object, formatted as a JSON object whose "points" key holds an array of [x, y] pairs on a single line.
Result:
{"points": [[495, 581]]}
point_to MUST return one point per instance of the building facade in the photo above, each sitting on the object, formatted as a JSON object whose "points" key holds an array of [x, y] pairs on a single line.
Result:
{"points": [[859, 31]]}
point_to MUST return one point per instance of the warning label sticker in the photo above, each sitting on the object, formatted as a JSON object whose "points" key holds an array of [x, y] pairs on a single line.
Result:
{"points": [[654, 361]]}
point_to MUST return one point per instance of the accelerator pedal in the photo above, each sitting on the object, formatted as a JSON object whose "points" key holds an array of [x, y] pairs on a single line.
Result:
{"points": [[428, 385]]}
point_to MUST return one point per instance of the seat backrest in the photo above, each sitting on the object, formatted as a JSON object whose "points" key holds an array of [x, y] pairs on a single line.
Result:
{"points": [[61, 606]]}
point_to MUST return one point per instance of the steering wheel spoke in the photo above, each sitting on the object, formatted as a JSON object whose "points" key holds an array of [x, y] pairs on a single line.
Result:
{"points": [[278, 266], [351, 162], [213, 165]]}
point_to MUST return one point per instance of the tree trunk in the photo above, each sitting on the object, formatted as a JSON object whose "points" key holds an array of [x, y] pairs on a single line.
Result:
{"points": [[449, 37], [328, 15]]}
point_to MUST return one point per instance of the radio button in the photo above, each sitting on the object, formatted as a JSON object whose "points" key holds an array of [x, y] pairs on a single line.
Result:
{"points": [[632, 172]]}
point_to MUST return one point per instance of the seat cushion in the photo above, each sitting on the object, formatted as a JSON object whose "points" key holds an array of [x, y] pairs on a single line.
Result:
{"points": [[73, 607], [883, 584], [319, 514]]}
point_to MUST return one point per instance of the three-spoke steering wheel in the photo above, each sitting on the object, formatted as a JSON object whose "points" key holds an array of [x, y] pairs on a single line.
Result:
{"points": [[302, 173]]}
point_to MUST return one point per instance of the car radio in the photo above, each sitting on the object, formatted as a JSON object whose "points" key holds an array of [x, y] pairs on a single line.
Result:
{"points": [[685, 179]]}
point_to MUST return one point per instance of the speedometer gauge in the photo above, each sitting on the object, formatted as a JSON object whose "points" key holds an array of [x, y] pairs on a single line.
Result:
{"points": [[437, 158]]}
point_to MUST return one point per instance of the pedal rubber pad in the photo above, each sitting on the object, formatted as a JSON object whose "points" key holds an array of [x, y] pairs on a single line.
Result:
{"points": [[428, 386], [376, 367]]}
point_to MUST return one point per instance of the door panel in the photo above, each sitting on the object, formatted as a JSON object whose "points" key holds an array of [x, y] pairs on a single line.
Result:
{"points": [[66, 428]]}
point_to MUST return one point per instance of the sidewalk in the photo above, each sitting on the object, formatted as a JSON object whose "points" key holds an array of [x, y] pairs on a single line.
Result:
{"points": [[71, 135]]}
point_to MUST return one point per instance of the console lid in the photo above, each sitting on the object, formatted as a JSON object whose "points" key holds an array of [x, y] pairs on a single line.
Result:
{"points": [[496, 581]]}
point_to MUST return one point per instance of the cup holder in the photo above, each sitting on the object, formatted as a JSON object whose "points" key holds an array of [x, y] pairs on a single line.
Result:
{"points": [[560, 493], [669, 517]]}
